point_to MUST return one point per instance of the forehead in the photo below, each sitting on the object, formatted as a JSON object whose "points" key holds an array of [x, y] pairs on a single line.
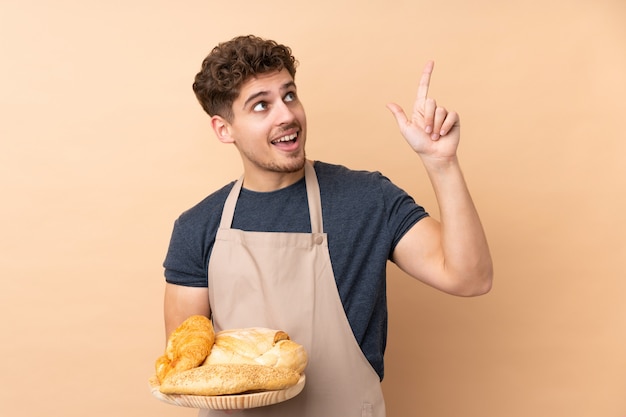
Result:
{"points": [[265, 83]]}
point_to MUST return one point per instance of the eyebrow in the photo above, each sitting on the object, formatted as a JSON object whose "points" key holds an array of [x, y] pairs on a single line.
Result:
{"points": [[262, 93]]}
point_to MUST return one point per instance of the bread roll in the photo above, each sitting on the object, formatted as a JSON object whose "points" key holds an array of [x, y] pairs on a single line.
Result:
{"points": [[257, 346], [222, 379]]}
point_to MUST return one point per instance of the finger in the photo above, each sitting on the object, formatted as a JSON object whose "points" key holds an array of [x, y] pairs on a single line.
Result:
{"points": [[440, 117], [422, 89], [430, 106], [398, 113], [452, 119]]}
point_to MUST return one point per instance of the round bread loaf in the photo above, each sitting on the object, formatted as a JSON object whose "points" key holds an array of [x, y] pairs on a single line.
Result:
{"points": [[257, 346]]}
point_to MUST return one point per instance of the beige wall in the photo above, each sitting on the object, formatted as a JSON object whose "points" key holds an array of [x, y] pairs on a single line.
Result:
{"points": [[103, 145]]}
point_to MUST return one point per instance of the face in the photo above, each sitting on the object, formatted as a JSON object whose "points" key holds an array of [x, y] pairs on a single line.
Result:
{"points": [[268, 127]]}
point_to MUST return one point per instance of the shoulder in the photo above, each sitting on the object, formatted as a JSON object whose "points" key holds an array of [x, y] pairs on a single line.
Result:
{"points": [[339, 180], [206, 211], [209, 203], [339, 174]]}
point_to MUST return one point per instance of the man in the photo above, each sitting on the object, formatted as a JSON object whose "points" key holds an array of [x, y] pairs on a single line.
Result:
{"points": [[302, 246]]}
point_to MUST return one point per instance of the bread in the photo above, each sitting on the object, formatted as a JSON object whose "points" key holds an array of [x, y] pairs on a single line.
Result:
{"points": [[222, 379], [257, 346], [199, 362], [187, 347]]}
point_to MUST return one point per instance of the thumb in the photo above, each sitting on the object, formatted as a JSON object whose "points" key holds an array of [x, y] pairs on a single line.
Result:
{"points": [[398, 113]]}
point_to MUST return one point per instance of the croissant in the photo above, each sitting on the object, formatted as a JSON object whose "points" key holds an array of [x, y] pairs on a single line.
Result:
{"points": [[187, 347]]}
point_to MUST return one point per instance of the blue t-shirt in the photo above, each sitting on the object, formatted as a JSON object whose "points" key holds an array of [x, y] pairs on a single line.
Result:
{"points": [[364, 216]]}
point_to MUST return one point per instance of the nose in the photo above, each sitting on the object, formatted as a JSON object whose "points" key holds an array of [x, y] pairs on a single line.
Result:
{"points": [[284, 114]]}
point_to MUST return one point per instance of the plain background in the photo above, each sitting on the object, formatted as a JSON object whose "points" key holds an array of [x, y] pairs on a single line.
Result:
{"points": [[103, 145]]}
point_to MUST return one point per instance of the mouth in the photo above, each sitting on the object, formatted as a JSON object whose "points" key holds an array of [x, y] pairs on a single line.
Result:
{"points": [[286, 139]]}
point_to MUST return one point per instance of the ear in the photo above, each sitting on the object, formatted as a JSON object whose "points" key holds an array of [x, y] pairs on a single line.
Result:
{"points": [[221, 127]]}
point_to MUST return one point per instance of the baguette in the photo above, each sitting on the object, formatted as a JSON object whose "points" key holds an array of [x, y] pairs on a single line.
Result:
{"points": [[223, 379]]}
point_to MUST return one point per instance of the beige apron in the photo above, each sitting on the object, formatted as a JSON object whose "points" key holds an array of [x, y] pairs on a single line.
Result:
{"points": [[285, 281]]}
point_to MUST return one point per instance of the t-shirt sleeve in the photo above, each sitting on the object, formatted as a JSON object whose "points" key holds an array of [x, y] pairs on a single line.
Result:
{"points": [[193, 235], [185, 261], [402, 210]]}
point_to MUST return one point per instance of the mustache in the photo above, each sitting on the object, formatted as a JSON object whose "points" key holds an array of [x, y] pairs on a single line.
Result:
{"points": [[289, 127]]}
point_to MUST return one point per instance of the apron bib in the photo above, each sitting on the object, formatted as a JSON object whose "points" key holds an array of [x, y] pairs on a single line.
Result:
{"points": [[285, 281]]}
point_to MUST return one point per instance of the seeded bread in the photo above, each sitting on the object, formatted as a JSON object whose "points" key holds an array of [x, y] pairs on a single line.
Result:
{"points": [[222, 379]]}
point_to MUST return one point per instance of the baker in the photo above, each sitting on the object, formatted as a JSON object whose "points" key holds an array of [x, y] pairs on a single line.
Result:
{"points": [[302, 245]]}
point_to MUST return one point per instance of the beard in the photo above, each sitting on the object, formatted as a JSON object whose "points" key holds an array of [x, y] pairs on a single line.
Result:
{"points": [[279, 161], [286, 166]]}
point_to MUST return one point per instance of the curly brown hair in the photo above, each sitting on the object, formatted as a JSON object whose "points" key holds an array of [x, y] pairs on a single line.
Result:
{"points": [[231, 63]]}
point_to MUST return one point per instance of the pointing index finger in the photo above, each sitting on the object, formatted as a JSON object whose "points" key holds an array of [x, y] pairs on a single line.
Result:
{"points": [[422, 90]]}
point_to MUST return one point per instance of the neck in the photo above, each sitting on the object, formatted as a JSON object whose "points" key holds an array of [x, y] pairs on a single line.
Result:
{"points": [[267, 181]]}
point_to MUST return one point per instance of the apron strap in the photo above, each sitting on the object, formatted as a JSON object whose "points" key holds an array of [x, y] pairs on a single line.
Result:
{"points": [[313, 197], [228, 212]]}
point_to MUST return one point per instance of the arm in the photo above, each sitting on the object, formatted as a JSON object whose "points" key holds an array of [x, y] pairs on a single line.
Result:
{"points": [[451, 255], [181, 302]]}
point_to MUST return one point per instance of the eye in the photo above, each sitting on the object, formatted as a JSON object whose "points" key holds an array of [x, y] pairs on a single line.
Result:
{"points": [[291, 96], [260, 106]]}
